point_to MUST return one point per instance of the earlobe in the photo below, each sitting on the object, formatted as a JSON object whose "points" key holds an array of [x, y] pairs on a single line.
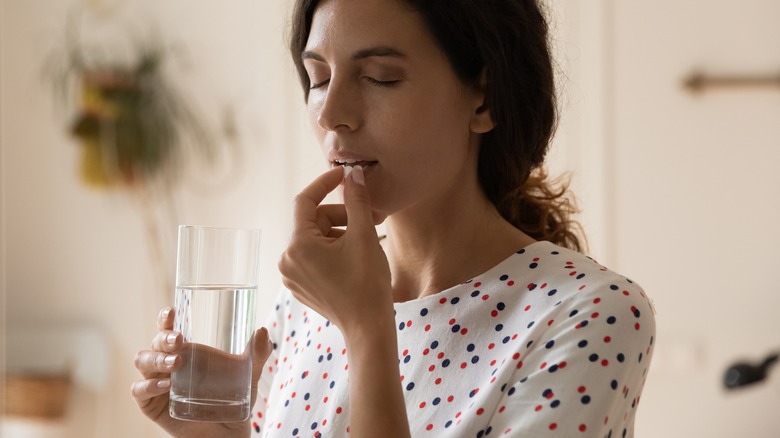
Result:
{"points": [[482, 119]]}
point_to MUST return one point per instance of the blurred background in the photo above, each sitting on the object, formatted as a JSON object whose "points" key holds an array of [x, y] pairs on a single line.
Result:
{"points": [[670, 127]]}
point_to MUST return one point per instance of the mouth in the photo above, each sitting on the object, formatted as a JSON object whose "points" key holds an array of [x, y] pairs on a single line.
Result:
{"points": [[351, 163]]}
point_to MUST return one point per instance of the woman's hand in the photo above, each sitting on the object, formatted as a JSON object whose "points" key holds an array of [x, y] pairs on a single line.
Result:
{"points": [[342, 274], [345, 277], [156, 366]]}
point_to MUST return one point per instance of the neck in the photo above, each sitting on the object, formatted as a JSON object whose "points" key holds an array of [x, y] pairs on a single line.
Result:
{"points": [[445, 243]]}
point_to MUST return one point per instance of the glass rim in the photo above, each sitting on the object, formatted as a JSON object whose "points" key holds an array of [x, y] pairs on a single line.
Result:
{"points": [[208, 227]]}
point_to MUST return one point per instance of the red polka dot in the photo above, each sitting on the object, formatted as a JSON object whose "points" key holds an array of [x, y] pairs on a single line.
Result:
{"points": [[450, 399], [443, 300], [583, 428], [538, 408], [422, 405], [581, 389], [636, 326], [464, 330], [427, 327], [338, 410], [604, 362], [429, 427], [485, 297], [510, 283], [607, 339], [437, 381], [431, 368], [480, 411], [463, 365], [553, 426]]}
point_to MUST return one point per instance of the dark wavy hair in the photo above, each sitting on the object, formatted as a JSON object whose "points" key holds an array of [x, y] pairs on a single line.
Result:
{"points": [[508, 41]]}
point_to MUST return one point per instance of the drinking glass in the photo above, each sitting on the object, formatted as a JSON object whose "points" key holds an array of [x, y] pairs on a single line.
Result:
{"points": [[216, 287]]}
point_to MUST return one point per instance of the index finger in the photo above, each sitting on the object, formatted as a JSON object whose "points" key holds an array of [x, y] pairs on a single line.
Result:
{"points": [[305, 204]]}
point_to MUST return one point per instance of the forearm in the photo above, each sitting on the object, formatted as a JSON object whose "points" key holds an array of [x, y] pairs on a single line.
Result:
{"points": [[376, 396]]}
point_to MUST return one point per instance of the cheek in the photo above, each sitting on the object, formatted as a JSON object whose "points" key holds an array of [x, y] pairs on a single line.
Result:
{"points": [[313, 111]]}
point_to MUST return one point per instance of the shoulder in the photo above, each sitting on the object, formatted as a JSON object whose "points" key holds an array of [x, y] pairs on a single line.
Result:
{"points": [[564, 290], [563, 277]]}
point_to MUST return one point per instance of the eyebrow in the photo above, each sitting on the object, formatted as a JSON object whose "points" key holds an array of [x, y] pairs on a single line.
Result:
{"points": [[360, 54]]}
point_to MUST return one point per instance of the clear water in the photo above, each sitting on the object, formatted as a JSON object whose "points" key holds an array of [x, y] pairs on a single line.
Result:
{"points": [[214, 380]]}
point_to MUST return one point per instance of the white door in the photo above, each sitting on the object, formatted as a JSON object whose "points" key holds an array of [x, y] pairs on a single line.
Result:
{"points": [[694, 203]]}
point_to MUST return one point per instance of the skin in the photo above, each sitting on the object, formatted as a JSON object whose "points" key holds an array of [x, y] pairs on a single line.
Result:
{"points": [[384, 95]]}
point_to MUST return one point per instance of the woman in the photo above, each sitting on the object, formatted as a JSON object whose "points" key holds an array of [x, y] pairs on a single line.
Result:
{"points": [[474, 316]]}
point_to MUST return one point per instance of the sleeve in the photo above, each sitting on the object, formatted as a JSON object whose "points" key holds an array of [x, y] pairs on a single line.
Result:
{"points": [[586, 374], [275, 325]]}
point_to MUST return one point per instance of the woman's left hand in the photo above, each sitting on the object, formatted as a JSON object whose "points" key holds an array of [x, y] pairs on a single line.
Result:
{"points": [[341, 274]]}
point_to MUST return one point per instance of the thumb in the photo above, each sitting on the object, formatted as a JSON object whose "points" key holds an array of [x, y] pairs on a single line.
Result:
{"points": [[357, 201], [261, 349]]}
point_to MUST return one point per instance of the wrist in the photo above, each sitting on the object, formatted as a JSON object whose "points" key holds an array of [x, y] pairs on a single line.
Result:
{"points": [[371, 333]]}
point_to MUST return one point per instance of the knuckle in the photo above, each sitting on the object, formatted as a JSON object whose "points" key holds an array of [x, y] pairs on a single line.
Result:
{"points": [[138, 359], [136, 388]]}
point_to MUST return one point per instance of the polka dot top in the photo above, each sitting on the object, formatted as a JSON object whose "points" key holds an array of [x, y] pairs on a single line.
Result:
{"points": [[547, 343]]}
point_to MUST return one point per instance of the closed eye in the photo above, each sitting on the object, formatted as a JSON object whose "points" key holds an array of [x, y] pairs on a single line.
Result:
{"points": [[378, 83], [319, 84]]}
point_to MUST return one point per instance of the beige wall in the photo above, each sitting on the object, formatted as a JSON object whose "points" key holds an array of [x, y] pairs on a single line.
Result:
{"points": [[72, 256], [79, 257]]}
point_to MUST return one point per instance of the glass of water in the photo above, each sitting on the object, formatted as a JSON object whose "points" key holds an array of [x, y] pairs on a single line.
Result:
{"points": [[216, 285]]}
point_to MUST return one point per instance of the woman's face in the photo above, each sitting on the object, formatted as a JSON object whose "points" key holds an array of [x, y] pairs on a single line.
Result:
{"points": [[383, 94]]}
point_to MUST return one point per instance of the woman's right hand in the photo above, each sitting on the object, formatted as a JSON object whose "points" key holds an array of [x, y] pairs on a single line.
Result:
{"points": [[156, 366]]}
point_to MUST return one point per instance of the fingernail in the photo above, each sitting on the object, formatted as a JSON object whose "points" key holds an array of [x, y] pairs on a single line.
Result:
{"points": [[163, 383], [171, 338], [166, 312], [169, 360], [357, 175]]}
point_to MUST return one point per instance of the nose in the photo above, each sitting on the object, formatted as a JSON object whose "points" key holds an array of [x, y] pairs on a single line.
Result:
{"points": [[340, 107]]}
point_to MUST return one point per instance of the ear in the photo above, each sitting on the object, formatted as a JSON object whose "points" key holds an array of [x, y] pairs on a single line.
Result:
{"points": [[481, 119]]}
